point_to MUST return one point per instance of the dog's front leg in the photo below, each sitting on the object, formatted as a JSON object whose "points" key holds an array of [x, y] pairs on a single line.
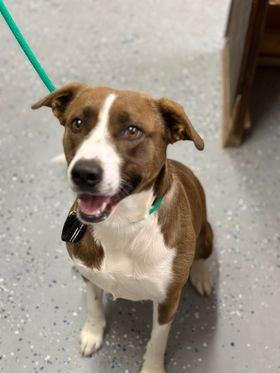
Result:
{"points": [[91, 336], [154, 356]]}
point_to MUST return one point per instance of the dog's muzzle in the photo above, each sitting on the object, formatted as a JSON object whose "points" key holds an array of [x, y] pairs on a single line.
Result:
{"points": [[94, 204]]}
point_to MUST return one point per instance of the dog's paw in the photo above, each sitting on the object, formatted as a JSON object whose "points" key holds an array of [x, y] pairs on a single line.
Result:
{"points": [[91, 339], [201, 278], [153, 369]]}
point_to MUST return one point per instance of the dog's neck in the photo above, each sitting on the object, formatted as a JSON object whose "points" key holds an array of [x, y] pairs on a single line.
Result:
{"points": [[163, 181], [135, 208]]}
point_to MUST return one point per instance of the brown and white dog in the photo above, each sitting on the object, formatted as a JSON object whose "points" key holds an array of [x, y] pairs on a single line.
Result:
{"points": [[115, 145]]}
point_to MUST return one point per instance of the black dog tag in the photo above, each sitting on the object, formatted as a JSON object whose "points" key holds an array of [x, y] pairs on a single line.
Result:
{"points": [[73, 230]]}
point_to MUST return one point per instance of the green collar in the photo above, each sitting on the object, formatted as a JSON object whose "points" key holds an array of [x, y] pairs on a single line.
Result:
{"points": [[156, 205]]}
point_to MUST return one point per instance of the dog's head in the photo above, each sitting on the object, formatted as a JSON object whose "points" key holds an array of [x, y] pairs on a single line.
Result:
{"points": [[115, 142]]}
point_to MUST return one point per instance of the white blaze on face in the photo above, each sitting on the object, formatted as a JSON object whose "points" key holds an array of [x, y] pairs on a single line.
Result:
{"points": [[100, 147]]}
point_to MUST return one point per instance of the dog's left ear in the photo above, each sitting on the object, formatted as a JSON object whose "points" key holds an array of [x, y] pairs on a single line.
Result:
{"points": [[60, 99], [178, 124]]}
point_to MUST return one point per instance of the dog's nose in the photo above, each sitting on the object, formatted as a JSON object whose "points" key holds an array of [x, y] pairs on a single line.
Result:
{"points": [[86, 173]]}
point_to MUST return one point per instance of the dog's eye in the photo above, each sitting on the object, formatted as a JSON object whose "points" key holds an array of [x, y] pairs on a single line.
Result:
{"points": [[76, 124], [132, 133]]}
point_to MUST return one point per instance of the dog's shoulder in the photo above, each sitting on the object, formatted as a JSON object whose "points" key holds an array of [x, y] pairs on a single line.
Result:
{"points": [[192, 187]]}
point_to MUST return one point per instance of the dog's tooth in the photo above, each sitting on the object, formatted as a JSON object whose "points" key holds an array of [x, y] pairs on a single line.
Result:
{"points": [[103, 206]]}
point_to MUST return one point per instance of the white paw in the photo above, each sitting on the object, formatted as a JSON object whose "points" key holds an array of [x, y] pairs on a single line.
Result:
{"points": [[201, 278], [91, 339], [153, 369]]}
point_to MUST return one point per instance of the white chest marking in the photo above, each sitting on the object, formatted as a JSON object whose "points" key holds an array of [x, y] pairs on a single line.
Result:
{"points": [[137, 264]]}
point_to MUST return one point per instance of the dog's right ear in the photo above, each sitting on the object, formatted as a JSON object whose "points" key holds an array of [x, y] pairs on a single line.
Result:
{"points": [[60, 99], [177, 122]]}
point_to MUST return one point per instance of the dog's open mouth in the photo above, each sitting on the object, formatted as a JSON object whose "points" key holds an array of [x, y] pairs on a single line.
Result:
{"points": [[94, 209]]}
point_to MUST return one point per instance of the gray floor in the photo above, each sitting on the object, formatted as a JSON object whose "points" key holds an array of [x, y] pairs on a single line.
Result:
{"points": [[169, 48]]}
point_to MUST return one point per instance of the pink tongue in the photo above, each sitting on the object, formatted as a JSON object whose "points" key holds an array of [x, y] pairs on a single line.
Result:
{"points": [[91, 204]]}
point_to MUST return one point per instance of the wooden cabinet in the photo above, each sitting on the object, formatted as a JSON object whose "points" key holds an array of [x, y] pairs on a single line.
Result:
{"points": [[252, 38]]}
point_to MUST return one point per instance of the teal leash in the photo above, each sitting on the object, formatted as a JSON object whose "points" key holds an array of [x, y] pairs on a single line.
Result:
{"points": [[25, 47]]}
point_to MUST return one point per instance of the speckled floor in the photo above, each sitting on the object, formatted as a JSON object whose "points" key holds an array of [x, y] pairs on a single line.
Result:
{"points": [[169, 48]]}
